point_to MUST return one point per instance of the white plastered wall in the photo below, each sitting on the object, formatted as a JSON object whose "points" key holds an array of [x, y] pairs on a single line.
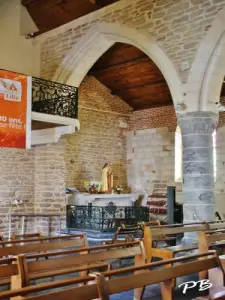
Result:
{"points": [[16, 52]]}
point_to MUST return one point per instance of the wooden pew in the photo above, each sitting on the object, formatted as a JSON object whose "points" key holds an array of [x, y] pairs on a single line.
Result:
{"points": [[151, 234], [142, 276], [129, 232], [8, 266], [90, 258], [25, 236], [187, 224], [126, 233], [209, 239], [7, 269], [55, 243]]}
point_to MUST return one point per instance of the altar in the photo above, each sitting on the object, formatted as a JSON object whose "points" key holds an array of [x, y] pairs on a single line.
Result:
{"points": [[102, 199]]}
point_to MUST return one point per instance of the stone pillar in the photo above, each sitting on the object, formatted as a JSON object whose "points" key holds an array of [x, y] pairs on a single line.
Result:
{"points": [[198, 173]]}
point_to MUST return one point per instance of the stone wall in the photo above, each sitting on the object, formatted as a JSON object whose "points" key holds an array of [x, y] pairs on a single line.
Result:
{"points": [[100, 139], [154, 118], [49, 184], [140, 146], [150, 159], [16, 182], [178, 26]]}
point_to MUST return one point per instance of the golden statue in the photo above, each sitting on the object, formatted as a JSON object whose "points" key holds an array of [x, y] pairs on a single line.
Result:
{"points": [[107, 179]]}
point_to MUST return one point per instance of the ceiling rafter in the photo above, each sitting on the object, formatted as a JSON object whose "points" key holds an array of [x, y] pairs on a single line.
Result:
{"points": [[133, 76], [50, 14]]}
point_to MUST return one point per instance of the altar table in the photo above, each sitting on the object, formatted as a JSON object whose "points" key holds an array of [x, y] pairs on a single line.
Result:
{"points": [[102, 199]]}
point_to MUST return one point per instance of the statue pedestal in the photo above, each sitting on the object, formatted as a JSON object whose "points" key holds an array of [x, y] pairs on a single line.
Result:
{"points": [[102, 199]]}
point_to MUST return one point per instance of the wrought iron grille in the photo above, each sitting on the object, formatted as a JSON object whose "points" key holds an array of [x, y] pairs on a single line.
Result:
{"points": [[54, 98], [104, 219]]}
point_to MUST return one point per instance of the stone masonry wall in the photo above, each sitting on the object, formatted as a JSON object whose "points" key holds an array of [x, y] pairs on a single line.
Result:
{"points": [[150, 159], [178, 26], [100, 139], [154, 118], [140, 146], [49, 184], [16, 182]]}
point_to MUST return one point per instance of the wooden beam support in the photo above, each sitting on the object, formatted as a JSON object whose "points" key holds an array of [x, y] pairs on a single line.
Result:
{"points": [[116, 92], [125, 63], [166, 103]]}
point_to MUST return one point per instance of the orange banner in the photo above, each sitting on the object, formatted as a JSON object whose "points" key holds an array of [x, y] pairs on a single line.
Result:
{"points": [[15, 110]]}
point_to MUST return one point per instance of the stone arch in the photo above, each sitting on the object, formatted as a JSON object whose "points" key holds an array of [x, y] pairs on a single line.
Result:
{"points": [[99, 39], [208, 70]]}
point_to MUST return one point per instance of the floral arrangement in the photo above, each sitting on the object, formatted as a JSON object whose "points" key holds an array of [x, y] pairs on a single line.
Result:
{"points": [[94, 186], [118, 189]]}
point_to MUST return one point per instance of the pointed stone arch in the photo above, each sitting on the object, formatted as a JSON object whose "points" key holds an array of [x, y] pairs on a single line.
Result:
{"points": [[99, 39], [208, 70]]}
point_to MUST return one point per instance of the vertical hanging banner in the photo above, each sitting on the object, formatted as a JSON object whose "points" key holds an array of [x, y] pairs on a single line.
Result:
{"points": [[15, 110]]}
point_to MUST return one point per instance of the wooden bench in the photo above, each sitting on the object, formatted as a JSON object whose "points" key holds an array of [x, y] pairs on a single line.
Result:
{"points": [[88, 259], [25, 236], [208, 239], [8, 267], [151, 234], [122, 234], [163, 272], [55, 243]]}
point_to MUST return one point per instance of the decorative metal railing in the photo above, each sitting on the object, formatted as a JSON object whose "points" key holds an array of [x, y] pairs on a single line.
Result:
{"points": [[104, 218], [54, 98]]}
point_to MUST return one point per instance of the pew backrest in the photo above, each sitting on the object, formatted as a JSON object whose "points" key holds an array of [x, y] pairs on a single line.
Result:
{"points": [[56, 243], [7, 269], [25, 236], [210, 238], [103, 288], [127, 233], [68, 264]]}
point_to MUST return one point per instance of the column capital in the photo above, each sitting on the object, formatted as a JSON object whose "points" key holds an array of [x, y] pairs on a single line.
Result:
{"points": [[198, 122]]}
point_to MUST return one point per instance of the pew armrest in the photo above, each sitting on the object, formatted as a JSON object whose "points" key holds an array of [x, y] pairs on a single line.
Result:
{"points": [[16, 282], [218, 296]]}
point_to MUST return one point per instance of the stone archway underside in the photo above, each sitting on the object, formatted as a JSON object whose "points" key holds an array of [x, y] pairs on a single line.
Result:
{"points": [[99, 39]]}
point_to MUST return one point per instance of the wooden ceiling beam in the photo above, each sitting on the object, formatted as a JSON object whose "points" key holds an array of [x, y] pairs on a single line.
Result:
{"points": [[125, 63], [143, 107], [117, 91]]}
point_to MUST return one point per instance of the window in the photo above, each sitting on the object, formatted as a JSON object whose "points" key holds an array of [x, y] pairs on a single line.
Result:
{"points": [[214, 154], [178, 155]]}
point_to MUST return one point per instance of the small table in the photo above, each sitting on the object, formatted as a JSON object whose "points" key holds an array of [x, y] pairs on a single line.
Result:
{"points": [[30, 215]]}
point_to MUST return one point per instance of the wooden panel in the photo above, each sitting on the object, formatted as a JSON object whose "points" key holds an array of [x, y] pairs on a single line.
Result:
{"points": [[36, 125], [223, 90], [49, 14], [133, 76]]}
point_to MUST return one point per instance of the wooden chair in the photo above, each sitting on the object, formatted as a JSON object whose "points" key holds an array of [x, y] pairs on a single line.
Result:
{"points": [[138, 277], [89, 259], [56, 243]]}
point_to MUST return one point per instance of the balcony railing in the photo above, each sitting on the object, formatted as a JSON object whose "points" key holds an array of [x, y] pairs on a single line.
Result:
{"points": [[54, 98], [104, 218]]}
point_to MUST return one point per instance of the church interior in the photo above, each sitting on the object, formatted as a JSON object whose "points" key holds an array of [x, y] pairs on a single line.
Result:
{"points": [[112, 149]]}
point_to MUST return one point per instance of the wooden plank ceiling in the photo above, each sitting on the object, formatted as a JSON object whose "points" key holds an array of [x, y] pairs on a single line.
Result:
{"points": [[133, 76], [50, 14], [223, 91]]}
